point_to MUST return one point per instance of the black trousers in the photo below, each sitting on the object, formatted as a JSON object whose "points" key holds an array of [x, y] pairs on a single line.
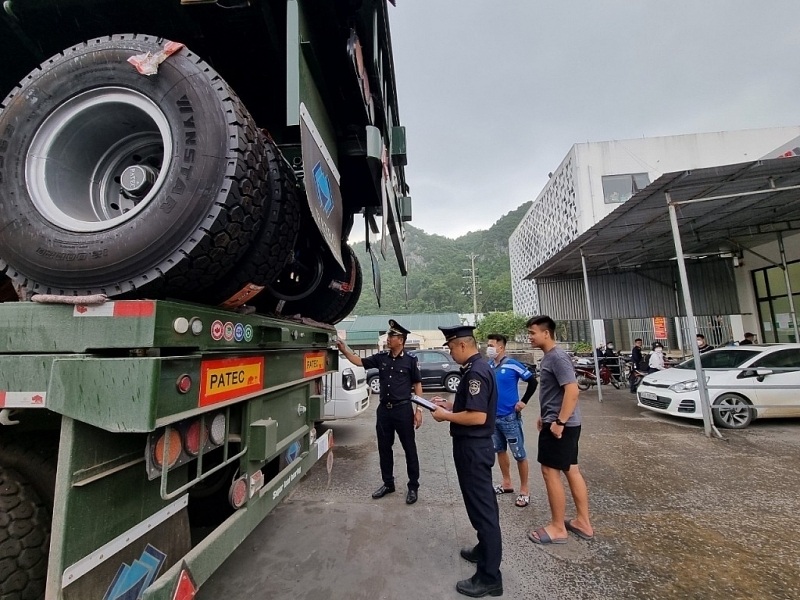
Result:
{"points": [[474, 458], [398, 420]]}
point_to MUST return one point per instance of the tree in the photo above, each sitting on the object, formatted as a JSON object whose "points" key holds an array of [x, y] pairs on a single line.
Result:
{"points": [[435, 269], [507, 323]]}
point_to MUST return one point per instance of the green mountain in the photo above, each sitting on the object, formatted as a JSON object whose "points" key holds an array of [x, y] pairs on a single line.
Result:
{"points": [[436, 269]]}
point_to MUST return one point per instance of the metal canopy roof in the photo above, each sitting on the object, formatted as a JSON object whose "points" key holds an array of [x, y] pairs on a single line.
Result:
{"points": [[717, 207]]}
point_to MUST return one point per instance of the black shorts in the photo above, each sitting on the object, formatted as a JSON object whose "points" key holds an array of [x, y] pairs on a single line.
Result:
{"points": [[559, 453]]}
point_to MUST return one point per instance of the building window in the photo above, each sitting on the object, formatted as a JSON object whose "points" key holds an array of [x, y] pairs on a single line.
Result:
{"points": [[619, 188], [772, 298]]}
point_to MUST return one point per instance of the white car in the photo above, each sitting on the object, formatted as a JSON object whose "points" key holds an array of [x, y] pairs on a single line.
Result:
{"points": [[763, 369], [347, 391]]}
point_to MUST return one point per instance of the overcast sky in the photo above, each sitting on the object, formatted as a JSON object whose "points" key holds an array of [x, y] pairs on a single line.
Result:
{"points": [[494, 93]]}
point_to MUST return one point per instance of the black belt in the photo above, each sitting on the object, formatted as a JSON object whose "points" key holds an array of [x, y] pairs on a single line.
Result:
{"points": [[391, 405]]}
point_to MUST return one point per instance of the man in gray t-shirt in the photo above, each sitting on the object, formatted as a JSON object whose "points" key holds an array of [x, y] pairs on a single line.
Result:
{"points": [[559, 431], [556, 371]]}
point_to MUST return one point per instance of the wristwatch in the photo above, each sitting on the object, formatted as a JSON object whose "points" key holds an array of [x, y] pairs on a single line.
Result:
{"points": [[560, 422]]}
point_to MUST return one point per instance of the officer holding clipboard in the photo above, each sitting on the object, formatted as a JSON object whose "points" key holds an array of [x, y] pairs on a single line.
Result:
{"points": [[472, 419]]}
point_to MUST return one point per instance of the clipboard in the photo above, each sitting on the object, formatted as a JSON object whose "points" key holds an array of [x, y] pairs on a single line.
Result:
{"points": [[424, 403]]}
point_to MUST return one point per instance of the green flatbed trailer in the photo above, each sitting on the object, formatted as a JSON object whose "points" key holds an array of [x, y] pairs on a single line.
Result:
{"points": [[159, 154], [155, 407]]}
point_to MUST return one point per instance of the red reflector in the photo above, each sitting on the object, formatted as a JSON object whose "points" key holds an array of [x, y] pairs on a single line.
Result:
{"points": [[192, 441], [186, 588], [238, 493], [184, 384], [134, 308]]}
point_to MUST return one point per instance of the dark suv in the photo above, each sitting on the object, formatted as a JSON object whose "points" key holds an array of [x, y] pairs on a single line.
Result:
{"points": [[437, 367]]}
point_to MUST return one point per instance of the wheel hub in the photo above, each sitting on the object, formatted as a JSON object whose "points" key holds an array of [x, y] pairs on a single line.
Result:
{"points": [[137, 180], [98, 159]]}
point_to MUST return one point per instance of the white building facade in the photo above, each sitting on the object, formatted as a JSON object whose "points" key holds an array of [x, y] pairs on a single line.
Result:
{"points": [[595, 178]]}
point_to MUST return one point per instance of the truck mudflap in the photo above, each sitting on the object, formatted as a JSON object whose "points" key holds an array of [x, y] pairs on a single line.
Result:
{"points": [[154, 560]]}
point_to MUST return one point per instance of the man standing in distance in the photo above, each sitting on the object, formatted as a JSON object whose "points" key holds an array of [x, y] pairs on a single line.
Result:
{"points": [[471, 426], [399, 375], [636, 362], [702, 345], [508, 426], [559, 430]]}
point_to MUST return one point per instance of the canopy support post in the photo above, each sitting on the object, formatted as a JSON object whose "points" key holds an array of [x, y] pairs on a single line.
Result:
{"points": [[705, 403], [788, 285], [591, 329]]}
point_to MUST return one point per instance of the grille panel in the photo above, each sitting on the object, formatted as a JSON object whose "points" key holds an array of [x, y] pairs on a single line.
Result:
{"points": [[660, 402]]}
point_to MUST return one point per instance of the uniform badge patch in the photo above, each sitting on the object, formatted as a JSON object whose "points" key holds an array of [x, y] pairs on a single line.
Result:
{"points": [[474, 387]]}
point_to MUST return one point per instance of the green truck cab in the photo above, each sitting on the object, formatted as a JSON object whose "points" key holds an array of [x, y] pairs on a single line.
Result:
{"points": [[178, 182]]}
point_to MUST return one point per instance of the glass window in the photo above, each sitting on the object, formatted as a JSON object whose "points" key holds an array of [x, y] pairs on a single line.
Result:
{"points": [[760, 284], [780, 359], [794, 276], [619, 188], [767, 327], [782, 318], [721, 359], [777, 282]]}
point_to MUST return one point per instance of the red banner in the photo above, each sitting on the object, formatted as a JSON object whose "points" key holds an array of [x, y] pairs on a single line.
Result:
{"points": [[660, 328]]}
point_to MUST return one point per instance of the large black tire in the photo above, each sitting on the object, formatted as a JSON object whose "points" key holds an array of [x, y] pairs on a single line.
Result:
{"points": [[36, 459], [24, 538], [325, 290], [346, 301], [274, 244], [86, 123]]}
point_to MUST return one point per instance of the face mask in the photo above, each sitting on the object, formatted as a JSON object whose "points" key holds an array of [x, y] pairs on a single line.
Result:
{"points": [[611, 346], [491, 351], [659, 350]]}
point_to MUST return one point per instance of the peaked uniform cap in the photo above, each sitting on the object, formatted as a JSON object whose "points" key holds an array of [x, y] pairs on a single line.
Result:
{"points": [[457, 331], [397, 329]]}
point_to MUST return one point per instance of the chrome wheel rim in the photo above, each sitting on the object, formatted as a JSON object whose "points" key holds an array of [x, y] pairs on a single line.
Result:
{"points": [[88, 150], [733, 411], [452, 384]]}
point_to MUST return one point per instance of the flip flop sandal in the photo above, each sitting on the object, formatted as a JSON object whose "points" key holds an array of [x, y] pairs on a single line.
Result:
{"points": [[499, 489], [522, 501], [579, 532], [544, 537]]}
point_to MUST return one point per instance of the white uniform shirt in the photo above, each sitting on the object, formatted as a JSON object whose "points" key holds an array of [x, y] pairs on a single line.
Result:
{"points": [[656, 360]]}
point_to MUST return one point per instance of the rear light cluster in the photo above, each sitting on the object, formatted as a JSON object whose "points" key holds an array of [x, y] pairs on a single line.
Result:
{"points": [[182, 442]]}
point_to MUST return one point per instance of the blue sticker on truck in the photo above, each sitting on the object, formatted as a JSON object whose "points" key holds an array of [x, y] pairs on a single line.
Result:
{"points": [[324, 192], [131, 581]]}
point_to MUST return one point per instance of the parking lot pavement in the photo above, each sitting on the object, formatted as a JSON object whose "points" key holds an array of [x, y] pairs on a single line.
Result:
{"points": [[676, 515]]}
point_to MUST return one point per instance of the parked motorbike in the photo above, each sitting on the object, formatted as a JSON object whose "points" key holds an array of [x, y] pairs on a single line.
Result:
{"points": [[585, 374]]}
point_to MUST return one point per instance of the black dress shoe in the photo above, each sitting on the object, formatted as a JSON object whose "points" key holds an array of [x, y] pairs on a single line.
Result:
{"points": [[411, 496], [474, 588], [470, 554], [382, 491]]}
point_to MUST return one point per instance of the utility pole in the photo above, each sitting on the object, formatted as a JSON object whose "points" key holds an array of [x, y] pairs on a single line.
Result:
{"points": [[472, 277]]}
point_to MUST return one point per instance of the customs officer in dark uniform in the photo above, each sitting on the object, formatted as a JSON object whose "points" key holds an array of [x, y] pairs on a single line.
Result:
{"points": [[472, 423], [400, 378]]}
